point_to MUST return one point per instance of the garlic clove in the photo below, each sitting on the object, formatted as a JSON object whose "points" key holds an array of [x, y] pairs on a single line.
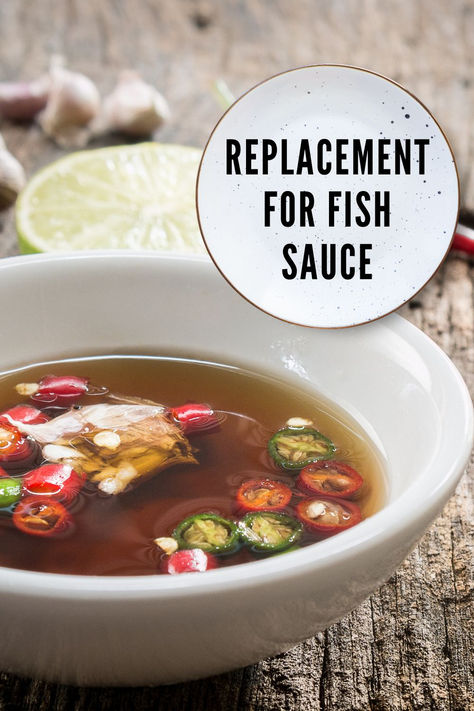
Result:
{"points": [[167, 545], [109, 486], [58, 453], [12, 177], [299, 422], [72, 104], [316, 509], [118, 479], [27, 389], [133, 108], [107, 439], [21, 101]]}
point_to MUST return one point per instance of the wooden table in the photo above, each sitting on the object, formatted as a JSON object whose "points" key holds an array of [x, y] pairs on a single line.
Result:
{"points": [[407, 647]]}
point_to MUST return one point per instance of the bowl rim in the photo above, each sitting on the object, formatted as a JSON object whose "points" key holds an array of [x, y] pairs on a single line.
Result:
{"points": [[370, 534]]}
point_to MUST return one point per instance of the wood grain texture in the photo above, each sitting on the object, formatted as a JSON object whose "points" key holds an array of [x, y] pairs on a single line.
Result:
{"points": [[409, 647]]}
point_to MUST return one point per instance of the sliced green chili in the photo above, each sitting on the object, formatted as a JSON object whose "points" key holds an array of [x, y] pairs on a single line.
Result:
{"points": [[209, 532], [10, 491], [269, 531], [296, 447]]}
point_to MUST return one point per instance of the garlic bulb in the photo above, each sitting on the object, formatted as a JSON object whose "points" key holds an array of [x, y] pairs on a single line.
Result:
{"points": [[12, 176], [72, 104], [21, 101], [144, 439], [134, 107]]}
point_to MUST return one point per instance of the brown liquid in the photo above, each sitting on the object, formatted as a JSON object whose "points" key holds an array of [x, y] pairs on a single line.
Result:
{"points": [[113, 535]]}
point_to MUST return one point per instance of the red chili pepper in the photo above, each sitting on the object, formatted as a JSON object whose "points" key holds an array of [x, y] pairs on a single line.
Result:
{"points": [[61, 389], [327, 515], [58, 389], [15, 449], [195, 417], [193, 560], [330, 478], [57, 481], [25, 413], [464, 239], [263, 495], [38, 517]]}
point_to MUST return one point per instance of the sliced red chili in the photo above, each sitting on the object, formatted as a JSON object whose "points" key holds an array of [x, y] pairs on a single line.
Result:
{"points": [[195, 417], [330, 478], [192, 560], [325, 515], [62, 390], [39, 517], [57, 481], [263, 495], [15, 449], [463, 240], [27, 414], [58, 389]]}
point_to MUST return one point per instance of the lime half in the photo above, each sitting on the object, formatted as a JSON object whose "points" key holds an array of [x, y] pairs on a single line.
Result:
{"points": [[123, 197]]}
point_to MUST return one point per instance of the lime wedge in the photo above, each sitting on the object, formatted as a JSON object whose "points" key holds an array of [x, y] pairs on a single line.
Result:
{"points": [[123, 197]]}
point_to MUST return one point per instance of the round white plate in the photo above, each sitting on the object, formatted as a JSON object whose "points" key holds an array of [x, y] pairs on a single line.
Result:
{"points": [[332, 102]]}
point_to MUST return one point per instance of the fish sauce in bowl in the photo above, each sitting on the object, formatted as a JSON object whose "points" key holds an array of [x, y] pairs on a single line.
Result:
{"points": [[142, 465]]}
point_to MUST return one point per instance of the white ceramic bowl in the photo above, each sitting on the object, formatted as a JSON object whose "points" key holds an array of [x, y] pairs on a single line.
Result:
{"points": [[150, 630]]}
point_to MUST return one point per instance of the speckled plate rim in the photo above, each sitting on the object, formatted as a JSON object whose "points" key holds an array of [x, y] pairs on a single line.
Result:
{"points": [[340, 66]]}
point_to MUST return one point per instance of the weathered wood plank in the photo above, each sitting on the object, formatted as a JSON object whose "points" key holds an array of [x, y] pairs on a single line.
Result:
{"points": [[408, 647]]}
